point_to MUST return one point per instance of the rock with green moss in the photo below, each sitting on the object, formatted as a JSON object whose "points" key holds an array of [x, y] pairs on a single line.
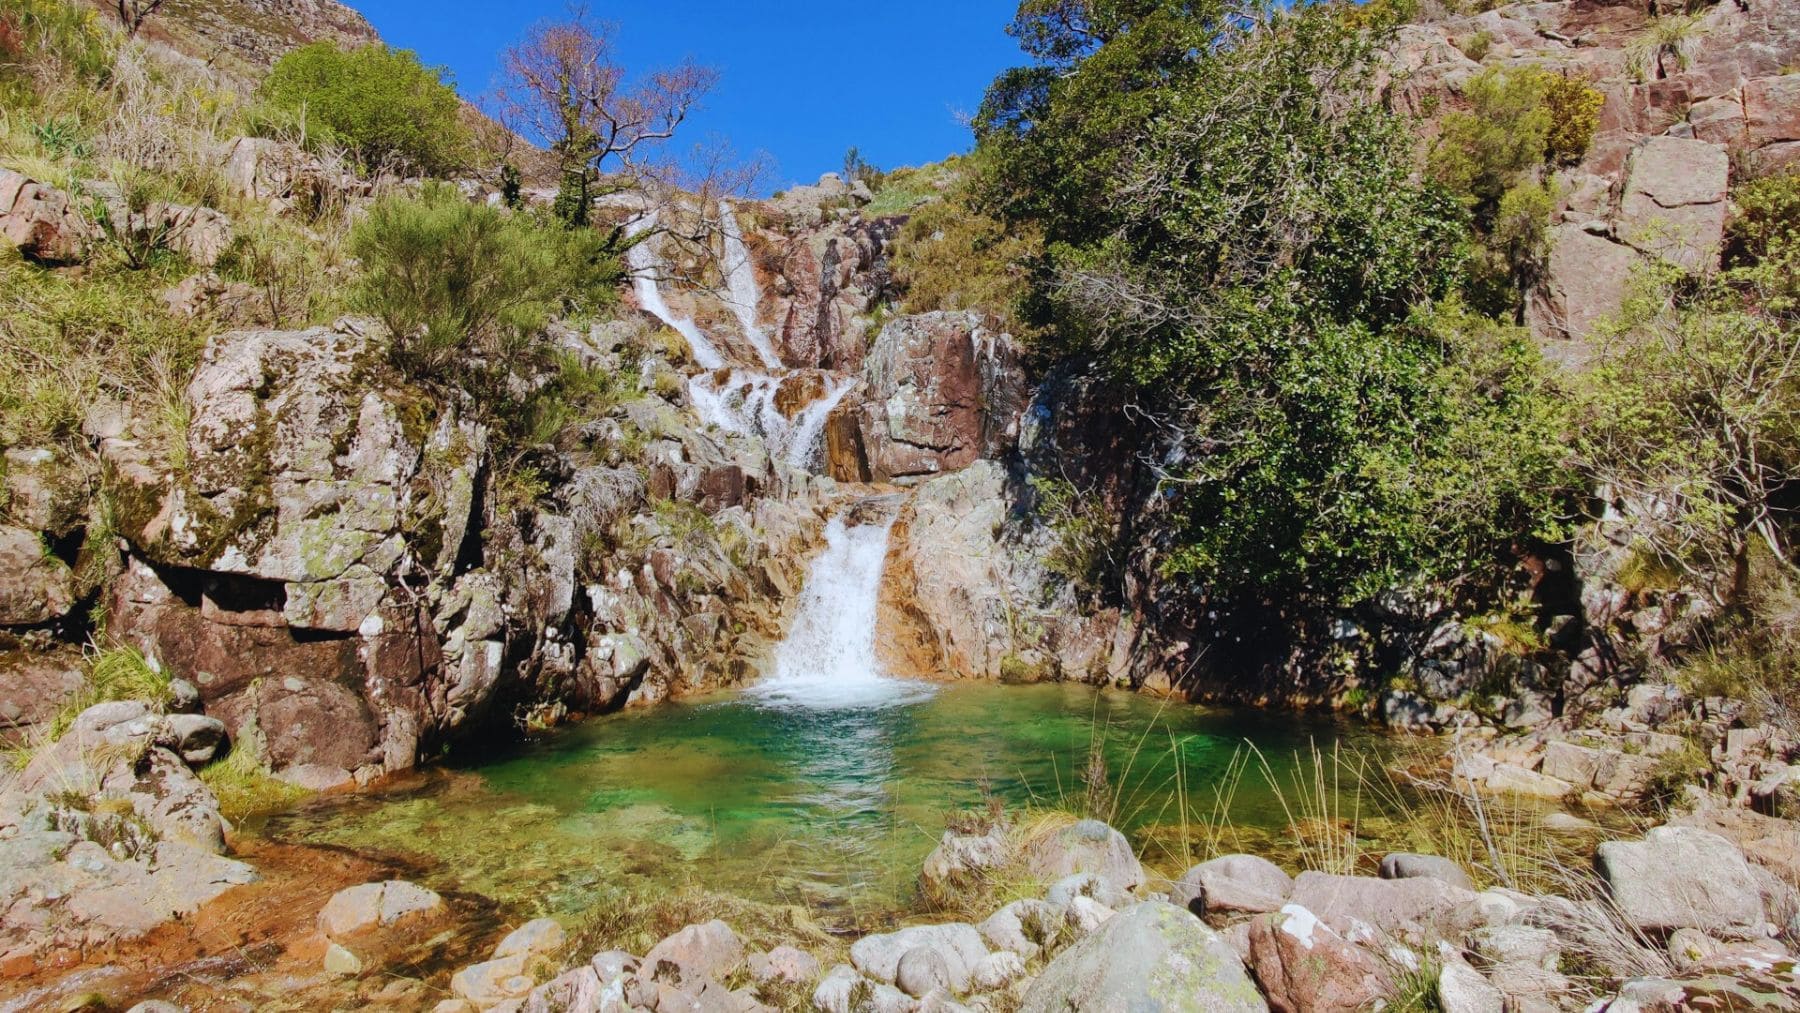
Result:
{"points": [[1154, 956]]}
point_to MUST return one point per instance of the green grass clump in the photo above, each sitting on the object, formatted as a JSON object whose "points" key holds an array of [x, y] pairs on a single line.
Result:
{"points": [[119, 673], [244, 786]]}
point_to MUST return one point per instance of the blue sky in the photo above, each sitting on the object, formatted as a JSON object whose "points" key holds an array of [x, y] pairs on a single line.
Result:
{"points": [[801, 80]]}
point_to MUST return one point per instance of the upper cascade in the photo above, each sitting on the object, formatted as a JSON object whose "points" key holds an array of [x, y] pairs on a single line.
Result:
{"points": [[740, 397]]}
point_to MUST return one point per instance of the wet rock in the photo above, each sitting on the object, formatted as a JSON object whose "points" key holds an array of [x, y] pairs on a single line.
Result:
{"points": [[540, 937], [959, 946], [1233, 884], [1153, 956], [1680, 877], [709, 950], [1305, 966], [493, 982], [361, 909], [40, 221], [1407, 866]]}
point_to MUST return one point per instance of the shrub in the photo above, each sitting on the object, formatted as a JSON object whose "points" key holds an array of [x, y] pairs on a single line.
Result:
{"points": [[1765, 241], [1574, 109], [381, 102], [1480, 153], [955, 255], [452, 279], [66, 342], [1692, 420]]}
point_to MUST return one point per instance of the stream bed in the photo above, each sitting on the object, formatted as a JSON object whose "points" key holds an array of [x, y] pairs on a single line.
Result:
{"points": [[781, 800]]}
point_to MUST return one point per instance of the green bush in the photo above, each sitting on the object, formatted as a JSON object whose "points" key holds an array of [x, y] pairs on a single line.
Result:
{"points": [[955, 255], [1236, 231], [1692, 418], [380, 102], [1765, 255], [453, 280], [1481, 153], [1574, 108]]}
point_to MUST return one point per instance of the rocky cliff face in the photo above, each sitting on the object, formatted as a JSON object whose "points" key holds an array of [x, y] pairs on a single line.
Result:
{"points": [[1675, 131], [256, 32]]}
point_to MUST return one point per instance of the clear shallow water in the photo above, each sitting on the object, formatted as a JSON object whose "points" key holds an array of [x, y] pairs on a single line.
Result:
{"points": [[833, 808]]}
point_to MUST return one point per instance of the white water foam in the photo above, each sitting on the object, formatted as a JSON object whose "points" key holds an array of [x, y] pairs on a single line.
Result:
{"points": [[642, 261], [740, 282], [828, 660], [737, 399]]}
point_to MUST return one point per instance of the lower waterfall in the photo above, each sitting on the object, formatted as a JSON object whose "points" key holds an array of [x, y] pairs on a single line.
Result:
{"points": [[828, 660]]}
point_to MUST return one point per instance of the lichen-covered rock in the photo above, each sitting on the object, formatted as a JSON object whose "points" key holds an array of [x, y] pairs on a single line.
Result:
{"points": [[1153, 956], [1681, 877], [40, 221], [35, 586], [1306, 966]]}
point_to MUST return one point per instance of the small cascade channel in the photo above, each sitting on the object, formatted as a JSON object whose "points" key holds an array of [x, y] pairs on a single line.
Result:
{"points": [[738, 397]]}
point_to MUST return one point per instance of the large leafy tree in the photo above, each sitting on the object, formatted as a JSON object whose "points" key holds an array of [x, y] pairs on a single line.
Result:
{"points": [[1236, 232]]}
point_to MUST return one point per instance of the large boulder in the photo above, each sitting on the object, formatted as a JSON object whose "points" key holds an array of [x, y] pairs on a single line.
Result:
{"points": [[1233, 884], [1154, 956], [1771, 118], [40, 221], [1090, 847], [942, 392], [958, 946], [1682, 877], [709, 950], [1305, 966], [1586, 282], [967, 594], [1423, 908]]}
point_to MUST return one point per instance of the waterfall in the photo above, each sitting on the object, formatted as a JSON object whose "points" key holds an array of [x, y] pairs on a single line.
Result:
{"points": [[737, 399], [642, 261], [828, 660], [740, 283]]}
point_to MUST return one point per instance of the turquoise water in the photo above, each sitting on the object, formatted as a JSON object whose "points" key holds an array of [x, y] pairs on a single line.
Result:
{"points": [[831, 809]]}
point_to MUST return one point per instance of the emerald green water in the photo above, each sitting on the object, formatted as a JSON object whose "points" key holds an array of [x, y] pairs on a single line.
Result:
{"points": [[831, 809]]}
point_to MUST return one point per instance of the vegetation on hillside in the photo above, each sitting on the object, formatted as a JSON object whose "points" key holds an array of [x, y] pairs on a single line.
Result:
{"points": [[380, 103], [1210, 205], [1240, 237]]}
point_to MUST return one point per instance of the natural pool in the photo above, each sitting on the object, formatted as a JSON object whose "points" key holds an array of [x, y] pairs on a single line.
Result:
{"points": [[762, 796]]}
